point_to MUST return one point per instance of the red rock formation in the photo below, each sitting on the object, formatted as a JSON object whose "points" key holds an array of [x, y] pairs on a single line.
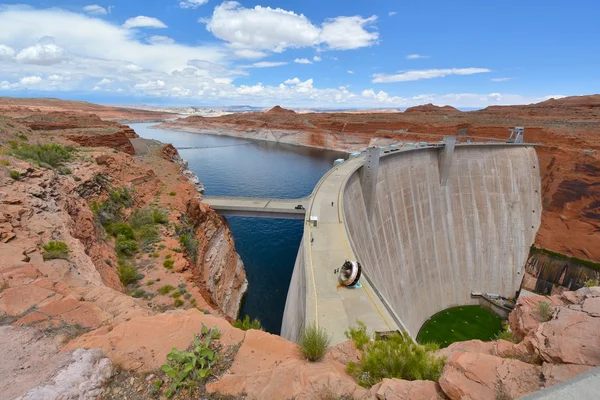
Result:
{"points": [[279, 111], [432, 109]]}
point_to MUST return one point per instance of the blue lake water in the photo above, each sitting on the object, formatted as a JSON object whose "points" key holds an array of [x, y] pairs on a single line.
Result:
{"points": [[237, 167]]}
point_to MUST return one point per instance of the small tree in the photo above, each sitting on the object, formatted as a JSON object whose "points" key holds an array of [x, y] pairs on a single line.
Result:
{"points": [[314, 342]]}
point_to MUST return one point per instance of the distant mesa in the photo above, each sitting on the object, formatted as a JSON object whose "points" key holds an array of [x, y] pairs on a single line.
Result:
{"points": [[431, 108], [280, 110]]}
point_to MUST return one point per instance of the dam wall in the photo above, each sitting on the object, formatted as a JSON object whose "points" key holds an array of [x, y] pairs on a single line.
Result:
{"points": [[295, 304], [426, 247]]}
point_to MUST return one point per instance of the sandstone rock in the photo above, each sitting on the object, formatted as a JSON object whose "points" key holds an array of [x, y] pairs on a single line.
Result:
{"points": [[344, 352], [482, 376], [16, 301], [572, 338], [397, 389], [144, 342], [557, 373], [525, 317], [82, 379], [292, 378]]}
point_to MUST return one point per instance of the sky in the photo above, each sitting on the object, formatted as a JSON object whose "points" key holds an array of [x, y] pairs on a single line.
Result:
{"points": [[301, 53]]}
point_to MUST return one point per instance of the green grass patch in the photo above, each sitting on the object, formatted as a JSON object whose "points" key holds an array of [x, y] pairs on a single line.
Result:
{"points": [[591, 283], [150, 283], [172, 193], [458, 324], [314, 342], [16, 175], [245, 324], [178, 302], [5, 163], [155, 255], [168, 264], [53, 155], [55, 249], [176, 294]]}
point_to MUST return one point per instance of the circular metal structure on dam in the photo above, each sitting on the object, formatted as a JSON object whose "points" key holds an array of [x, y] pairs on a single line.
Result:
{"points": [[458, 324]]}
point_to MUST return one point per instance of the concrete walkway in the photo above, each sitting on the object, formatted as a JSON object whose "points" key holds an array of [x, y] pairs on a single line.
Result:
{"points": [[332, 306]]}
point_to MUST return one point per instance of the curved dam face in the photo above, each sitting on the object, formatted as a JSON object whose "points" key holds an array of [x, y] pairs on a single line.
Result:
{"points": [[427, 246]]}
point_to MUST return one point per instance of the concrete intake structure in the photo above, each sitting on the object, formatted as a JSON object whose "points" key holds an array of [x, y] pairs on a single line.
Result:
{"points": [[431, 239]]}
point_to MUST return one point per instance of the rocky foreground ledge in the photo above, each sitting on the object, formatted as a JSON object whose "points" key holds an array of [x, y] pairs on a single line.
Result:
{"points": [[72, 326]]}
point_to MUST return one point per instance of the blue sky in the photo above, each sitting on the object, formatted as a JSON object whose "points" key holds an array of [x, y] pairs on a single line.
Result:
{"points": [[338, 54]]}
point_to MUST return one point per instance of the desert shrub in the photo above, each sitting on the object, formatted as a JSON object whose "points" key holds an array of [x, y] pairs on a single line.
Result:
{"points": [[505, 334], [358, 335], [120, 228], [166, 289], [176, 294], [591, 283], [125, 247], [63, 171], [141, 217], [187, 296], [172, 193], [245, 324], [150, 283], [178, 302], [52, 154], [22, 137], [5, 163], [155, 255], [168, 256], [55, 249], [16, 175], [148, 234], [127, 273], [314, 342], [160, 216], [187, 369], [545, 310], [168, 264], [138, 293], [110, 210], [187, 240], [396, 356]]}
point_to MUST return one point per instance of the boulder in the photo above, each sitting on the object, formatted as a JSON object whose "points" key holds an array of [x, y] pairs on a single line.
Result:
{"points": [[398, 389], [557, 373], [481, 376]]}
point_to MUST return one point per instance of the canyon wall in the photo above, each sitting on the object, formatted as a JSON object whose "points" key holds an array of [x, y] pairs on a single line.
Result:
{"points": [[426, 246]]}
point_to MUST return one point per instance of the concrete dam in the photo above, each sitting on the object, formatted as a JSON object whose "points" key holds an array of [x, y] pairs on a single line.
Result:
{"points": [[429, 225]]}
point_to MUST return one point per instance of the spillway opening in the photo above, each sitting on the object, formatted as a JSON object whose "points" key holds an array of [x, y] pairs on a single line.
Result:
{"points": [[458, 324]]}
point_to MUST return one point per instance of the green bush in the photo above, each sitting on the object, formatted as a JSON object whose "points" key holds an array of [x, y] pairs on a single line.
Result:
{"points": [[178, 302], [138, 293], [188, 369], [506, 334], [125, 247], [110, 210], [545, 310], [160, 216], [127, 273], [141, 217], [358, 335], [22, 137], [591, 283], [245, 324], [63, 171], [52, 154], [168, 256], [16, 175], [188, 241], [168, 264], [176, 294], [120, 228], [150, 283], [155, 255], [314, 342], [148, 234], [55, 249], [166, 289], [172, 193], [5, 163], [396, 356]]}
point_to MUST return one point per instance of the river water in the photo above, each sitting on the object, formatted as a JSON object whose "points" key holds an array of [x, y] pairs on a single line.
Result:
{"points": [[230, 166]]}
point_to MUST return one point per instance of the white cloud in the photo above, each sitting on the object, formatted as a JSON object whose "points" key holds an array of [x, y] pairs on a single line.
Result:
{"points": [[265, 64], [294, 81], [317, 58], [392, 13], [350, 72], [250, 54], [345, 33], [30, 80], [150, 85], [142, 21], [42, 54], [95, 9], [416, 75], [192, 3], [6, 53], [415, 56], [302, 61], [158, 39], [104, 81], [276, 29], [501, 79]]}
